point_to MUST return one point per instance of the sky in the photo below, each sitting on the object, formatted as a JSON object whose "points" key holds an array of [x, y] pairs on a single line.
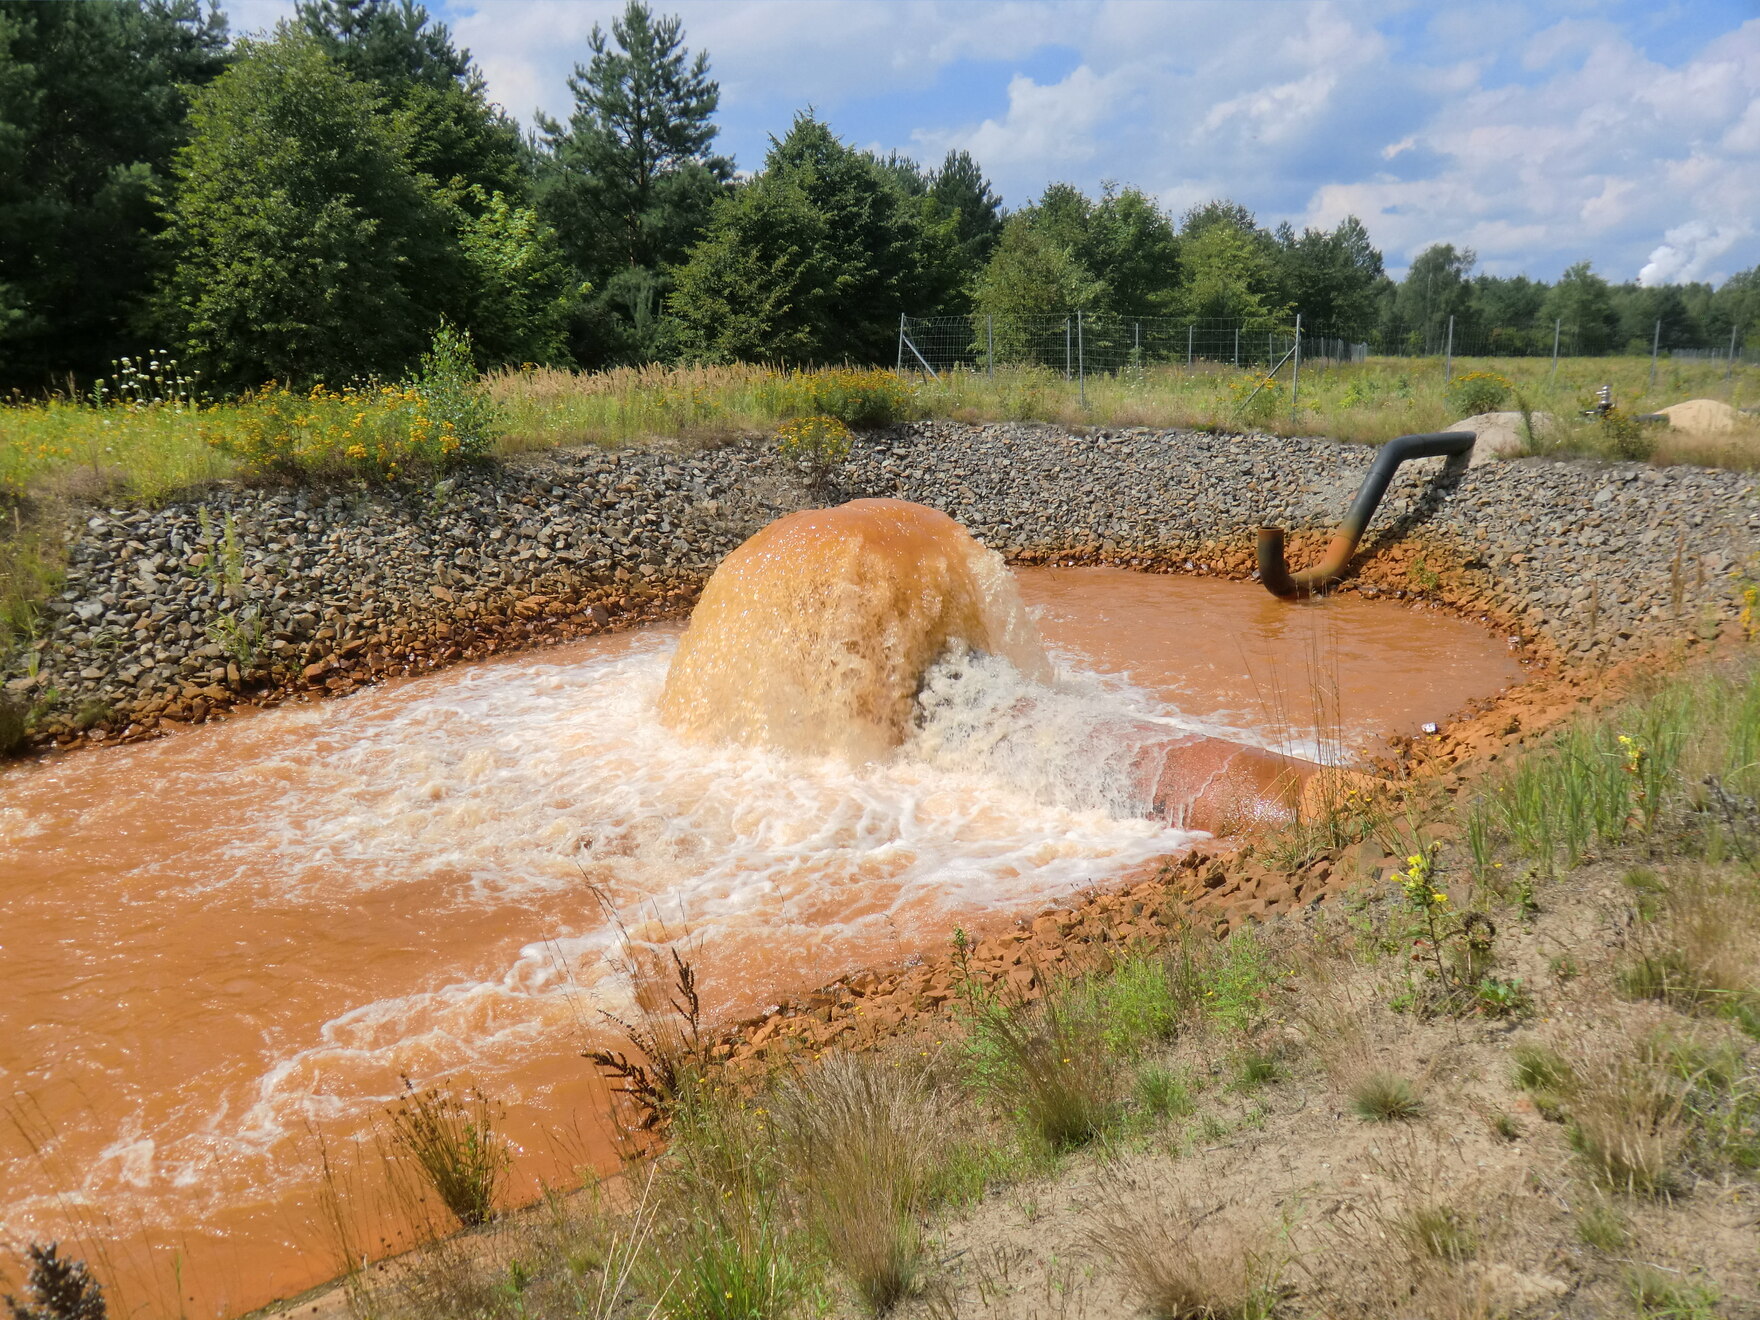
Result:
{"points": [[1537, 134]]}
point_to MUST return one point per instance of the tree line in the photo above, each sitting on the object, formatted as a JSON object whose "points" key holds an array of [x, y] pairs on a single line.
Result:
{"points": [[313, 204]]}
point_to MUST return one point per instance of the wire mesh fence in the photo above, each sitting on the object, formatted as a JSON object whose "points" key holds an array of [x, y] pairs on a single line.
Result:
{"points": [[1078, 345]]}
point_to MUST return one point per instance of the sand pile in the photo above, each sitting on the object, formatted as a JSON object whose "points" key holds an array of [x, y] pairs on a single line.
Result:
{"points": [[1703, 417]]}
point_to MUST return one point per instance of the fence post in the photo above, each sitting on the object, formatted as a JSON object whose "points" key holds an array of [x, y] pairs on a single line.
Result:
{"points": [[1137, 340], [1189, 329], [1729, 368], [990, 343], [1448, 354], [1295, 375], [1081, 361], [899, 370], [1655, 344], [1237, 347], [1066, 348], [1557, 323]]}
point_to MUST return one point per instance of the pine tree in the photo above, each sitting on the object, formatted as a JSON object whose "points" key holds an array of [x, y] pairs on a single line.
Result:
{"points": [[453, 133]]}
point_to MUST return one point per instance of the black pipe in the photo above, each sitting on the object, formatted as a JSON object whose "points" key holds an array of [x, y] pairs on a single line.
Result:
{"points": [[1274, 572]]}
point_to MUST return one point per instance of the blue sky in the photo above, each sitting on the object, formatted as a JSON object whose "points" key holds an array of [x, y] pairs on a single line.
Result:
{"points": [[1535, 134]]}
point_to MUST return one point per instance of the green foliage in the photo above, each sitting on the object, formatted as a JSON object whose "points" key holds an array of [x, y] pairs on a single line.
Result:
{"points": [[454, 400], [812, 261], [56, 1288], [92, 106], [429, 88], [1029, 277], [522, 289], [380, 434], [1231, 269], [1477, 392], [1163, 1093], [630, 182], [306, 247], [1435, 288]]}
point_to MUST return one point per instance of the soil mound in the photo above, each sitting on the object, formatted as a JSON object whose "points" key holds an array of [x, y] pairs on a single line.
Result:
{"points": [[1702, 417]]}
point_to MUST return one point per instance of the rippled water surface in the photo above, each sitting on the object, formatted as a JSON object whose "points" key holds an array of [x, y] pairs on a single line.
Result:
{"points": [[217, 947]]}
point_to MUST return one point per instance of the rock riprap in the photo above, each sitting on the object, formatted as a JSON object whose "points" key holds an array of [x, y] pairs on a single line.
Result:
{"points": [[249, 594]]}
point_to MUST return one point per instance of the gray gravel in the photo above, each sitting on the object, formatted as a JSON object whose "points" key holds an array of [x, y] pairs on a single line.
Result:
{"points": [[328, 589]]}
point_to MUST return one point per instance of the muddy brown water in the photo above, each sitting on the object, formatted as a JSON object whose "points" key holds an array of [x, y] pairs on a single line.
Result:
{"points": [[222, 947]]}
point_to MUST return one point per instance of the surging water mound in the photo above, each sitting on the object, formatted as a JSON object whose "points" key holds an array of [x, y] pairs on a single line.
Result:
{"points": [[814, 635]]}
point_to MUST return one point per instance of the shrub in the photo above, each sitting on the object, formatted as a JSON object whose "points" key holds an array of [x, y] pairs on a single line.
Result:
{"points": [[1478, 392], [455, 397], [378, 433], [818, 443], [855, 397], [1624, 437], [56, 1289], [1257, 399], [452, 1141]]}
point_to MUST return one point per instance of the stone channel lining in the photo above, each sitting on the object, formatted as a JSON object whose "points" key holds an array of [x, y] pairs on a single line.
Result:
{"points": [[250, 594]]}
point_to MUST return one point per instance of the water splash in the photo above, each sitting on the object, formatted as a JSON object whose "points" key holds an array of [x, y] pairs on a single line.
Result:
{"points": [[813, 637]]}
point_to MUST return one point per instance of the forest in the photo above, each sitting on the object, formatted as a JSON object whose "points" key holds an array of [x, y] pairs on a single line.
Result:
{"points": [[313, 204]]}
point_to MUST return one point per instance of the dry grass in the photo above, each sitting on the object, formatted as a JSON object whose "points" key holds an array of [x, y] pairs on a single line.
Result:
{"points": [[1046, 1063], [1181, 1262], [860, 1136], [1380, 1096], [1626, 1107], [1699, 950]]}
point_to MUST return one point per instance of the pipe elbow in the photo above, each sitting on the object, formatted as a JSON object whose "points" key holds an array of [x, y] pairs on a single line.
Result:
{"points": [[1274, 571]]}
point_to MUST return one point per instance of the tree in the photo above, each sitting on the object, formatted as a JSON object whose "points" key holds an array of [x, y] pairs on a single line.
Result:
{"points": [[1030, 278], [453, 133], [1333, 278], [1435, 288], [522, 289], [1582, 303], [812, 261], [1736, 305], [306, 248], [962, 191], [92, 106], [1133, 249], [630, 182], [1229, 275]]}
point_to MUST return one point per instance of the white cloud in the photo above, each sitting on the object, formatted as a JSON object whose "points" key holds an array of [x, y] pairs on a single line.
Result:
{"points": [[1690, 252]]}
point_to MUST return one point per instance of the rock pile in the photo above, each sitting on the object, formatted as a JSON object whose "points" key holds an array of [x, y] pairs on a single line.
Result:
{"points": [[248, 595]]}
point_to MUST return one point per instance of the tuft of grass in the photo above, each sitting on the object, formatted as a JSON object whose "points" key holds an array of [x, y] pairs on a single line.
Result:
{"points": [[1385, 1097], [1438, 1232], [451, 1140], [860, 1136], [1628, 1116], [1699, 948], [1255, 1068], [1178, 1270], [1047, 1065], [1659, 1296], [1163, 1093], [1600, 1225]]}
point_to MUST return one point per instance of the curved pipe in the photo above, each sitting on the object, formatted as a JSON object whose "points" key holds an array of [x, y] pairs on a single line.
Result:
{"points": [[1274, 572]]}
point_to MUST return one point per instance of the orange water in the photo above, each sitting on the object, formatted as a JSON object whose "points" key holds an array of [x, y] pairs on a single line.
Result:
{"points": [[213, 945]]}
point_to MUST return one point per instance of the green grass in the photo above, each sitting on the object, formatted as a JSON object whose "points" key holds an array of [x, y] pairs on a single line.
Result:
{"points": [[1610, 780]]}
